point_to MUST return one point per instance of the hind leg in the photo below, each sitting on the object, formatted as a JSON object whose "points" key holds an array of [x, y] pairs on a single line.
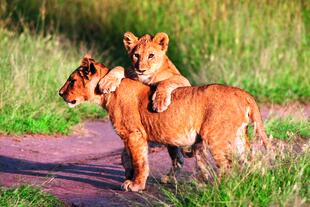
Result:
{"points": [[226, 144], [177, 160], [222, 159], [239, 144], [206, 168], [217, 141], [246, 154]]}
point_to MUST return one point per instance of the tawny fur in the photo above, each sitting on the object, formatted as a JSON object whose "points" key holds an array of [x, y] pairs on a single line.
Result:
{"points": [[150, 65], [218, 114]]}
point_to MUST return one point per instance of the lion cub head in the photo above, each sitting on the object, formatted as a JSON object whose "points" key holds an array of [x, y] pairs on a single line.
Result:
{"points": [[82, 83], [147, 53]]}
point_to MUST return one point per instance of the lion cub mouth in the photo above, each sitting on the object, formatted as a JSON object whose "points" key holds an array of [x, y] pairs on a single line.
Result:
{"points": [[144, 78], [72, 104]]}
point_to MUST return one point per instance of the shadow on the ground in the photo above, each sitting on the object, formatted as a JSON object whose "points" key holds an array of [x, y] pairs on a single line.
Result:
{"points": [[96, 175]]}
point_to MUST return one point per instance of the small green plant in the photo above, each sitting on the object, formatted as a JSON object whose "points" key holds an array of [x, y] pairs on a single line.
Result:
{"points": [[27, 196]]}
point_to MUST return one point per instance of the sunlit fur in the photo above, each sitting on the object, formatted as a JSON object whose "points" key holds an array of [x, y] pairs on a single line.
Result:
{"points": [[213, 117], [150, 65]]}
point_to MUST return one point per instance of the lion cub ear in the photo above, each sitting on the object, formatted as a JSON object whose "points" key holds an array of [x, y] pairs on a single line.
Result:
{"points": [[87, 56], [130, 41], [162, 39], [85, 59]]}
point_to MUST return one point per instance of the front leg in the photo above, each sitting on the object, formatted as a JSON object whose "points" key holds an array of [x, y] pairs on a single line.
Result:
{"points": [[138, 150], [162, 96], [127, 164], [112, 80]]}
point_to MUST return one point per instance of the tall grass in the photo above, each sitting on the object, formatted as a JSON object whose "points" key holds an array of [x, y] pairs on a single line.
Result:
{"points": [[261, 45], [32, 71], [286, 183]]}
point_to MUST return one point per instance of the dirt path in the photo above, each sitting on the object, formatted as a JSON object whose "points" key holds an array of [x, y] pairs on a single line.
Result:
{"points": [[84, 169]]}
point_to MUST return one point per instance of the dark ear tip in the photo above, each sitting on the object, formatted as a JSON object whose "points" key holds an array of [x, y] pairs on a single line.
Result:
{"points": [[92, 68]]}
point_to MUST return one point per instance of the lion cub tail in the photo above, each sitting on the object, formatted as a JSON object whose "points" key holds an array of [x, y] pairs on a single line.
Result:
{"points": [[256, 118]]}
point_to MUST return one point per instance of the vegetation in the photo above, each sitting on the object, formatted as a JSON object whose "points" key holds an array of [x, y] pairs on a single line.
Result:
{"points": [[288, 128], [33, 68], [262, 48], [286, 183], [25, 196], [282, 183]]}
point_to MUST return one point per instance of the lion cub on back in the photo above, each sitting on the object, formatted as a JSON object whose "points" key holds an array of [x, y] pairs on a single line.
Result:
{"points": [[150, 65]]}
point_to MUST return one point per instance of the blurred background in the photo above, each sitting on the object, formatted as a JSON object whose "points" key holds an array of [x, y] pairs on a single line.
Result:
{"points": [[262, 46]]}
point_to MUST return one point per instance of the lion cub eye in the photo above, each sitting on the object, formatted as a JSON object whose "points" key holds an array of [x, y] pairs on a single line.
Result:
{"points": [[136, 55], [72, 82], [151, 56]]}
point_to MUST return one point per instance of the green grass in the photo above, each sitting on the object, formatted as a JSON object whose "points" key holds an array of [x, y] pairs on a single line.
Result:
{"points": [[259, 45], [286, 183], [33, 68], [288, 128], [26, 196]]}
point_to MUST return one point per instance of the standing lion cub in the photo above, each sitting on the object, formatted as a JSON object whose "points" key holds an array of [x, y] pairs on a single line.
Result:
{"points": [[151, 66], [213, 118]]}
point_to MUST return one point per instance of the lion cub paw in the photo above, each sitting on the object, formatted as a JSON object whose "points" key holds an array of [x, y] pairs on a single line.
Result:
{"points": [[129, 185], [112, 80], [108, 84], [161, 101]]}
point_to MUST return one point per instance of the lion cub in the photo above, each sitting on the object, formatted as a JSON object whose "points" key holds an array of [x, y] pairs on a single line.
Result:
{"points": [[150, 65]]}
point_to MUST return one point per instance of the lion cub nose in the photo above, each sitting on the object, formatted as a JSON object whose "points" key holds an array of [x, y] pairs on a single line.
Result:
{"points": [[141, 71]]}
